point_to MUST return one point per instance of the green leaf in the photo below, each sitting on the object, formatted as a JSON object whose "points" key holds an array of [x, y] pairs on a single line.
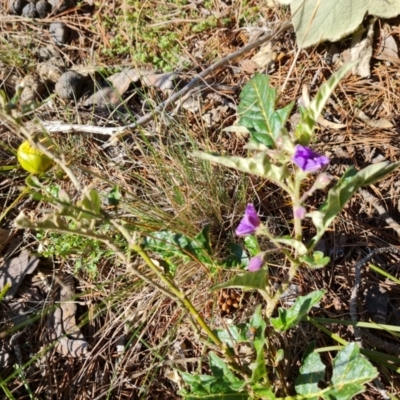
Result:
{"points": [[233, 334], [252, 245], [169, 244], [90, 201], [220, 369], [248, 280], [255, 108], [263, 393], [312, 371], [199, 384], [318, 21], [219, 396], [305, 128], [279, 118], [350, 372], [292, 316], [4, 290], [33, 181], [259, 369], [257, 111], [223, 384], [375, 172], [237, 257], [316, 260], [114, 196], [259, 165], [345, 188], [298, 246], [202, 240], [345, 393]]}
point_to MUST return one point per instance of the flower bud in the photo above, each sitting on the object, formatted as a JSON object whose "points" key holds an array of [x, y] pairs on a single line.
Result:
{"points": [[256, 263]]}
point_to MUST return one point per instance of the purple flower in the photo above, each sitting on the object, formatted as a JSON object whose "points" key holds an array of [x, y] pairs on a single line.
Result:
{"points": [[308, 160], [256, 263], [249, 222]]}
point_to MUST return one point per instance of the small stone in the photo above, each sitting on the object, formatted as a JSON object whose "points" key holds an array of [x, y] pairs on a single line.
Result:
{"points": [[59, 6], [33, 89], [43, 8], [70, 85], [16, 6], [59, 32], [29, 11]]}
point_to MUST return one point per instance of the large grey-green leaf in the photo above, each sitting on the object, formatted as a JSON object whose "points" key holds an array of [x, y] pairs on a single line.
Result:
{"points": [[316, 21], [350, 372], [338, 196], [312, 372]]}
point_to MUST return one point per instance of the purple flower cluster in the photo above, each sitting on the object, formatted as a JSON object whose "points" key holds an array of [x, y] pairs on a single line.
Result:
{"points": [[308, 160]]}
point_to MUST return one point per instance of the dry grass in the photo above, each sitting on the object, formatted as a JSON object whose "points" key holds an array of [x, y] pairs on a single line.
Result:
{"points": [[163, 188]]}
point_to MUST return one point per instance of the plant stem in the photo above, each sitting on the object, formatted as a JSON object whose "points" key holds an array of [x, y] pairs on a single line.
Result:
{"points": [[296, 204], [179, 295], [283, 287]]}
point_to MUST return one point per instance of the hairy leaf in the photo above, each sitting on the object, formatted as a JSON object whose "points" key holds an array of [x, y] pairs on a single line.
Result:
{"points": [[312, 372], [350, 372], [248, 280], [305, 127], [298, 246], [257, 111], [318, 21], [259, 369], [338, 196], [292, 316], [259, 165], [169, 245]]}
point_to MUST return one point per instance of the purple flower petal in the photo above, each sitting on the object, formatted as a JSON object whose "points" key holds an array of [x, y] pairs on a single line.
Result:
{"points": [[308, 160], [300, 212], [255, 263], [249, 222]]}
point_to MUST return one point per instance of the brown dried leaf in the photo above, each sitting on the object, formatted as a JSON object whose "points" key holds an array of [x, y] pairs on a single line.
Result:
{"points": [[62, 323], [248, 66], [361, 51], [265, 56], [388, 50], [14, 270], [379, 123]]}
